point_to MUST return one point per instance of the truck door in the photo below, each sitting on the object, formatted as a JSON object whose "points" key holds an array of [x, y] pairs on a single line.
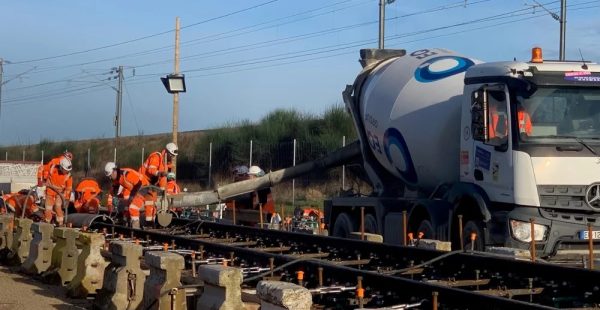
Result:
{"points": [[492, 156]]}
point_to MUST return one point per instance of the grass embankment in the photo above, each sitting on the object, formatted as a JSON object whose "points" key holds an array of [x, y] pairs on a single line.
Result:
{"points": [[272, 149]]}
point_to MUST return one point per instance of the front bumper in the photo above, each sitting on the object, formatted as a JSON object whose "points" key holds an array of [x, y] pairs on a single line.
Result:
{"points": [[563, 230]]}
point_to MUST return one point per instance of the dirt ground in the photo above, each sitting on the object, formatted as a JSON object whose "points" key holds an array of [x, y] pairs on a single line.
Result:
{"points": [[22, 292]]}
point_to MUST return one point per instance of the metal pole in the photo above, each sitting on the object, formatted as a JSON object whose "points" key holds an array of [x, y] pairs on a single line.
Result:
{"points": [[115, 157], [563, 30], [23, 155], [176, 94], [1, 82], [143, 155], [294, 180], [89, 165], [42, 157], [250, 165], [120, 98], [343, 166], [209, 163], [381, 23]]}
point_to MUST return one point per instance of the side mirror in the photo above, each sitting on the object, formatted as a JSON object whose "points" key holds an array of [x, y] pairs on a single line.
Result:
{"points": [[479, 107]]}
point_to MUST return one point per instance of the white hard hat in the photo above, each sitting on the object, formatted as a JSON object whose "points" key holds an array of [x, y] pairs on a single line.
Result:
{"points": [[172, 148], [65, 163], [240, 170], [170, 175], [109, 167], [255, 170]]}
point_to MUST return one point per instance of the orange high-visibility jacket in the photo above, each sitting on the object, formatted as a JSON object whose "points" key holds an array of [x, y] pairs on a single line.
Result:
{"points": [[173, 188], [154, 164], [131, 181], [87, 189], [44, 170], [63, 182], [16, 201], [524, 121]]}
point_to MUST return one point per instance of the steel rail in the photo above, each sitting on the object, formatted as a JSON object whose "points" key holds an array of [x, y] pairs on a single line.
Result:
{"points": [[384, 289]]}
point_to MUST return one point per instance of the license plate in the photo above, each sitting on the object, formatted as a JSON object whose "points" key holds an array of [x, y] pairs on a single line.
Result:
{"points": [[584, 235]]}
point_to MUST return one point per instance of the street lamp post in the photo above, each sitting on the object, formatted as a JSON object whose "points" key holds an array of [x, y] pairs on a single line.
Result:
{"points": [[175, 83]]}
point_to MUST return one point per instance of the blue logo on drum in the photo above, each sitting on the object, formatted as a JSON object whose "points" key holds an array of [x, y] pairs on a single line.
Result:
{"points": [[394, 139], [424, 74]]}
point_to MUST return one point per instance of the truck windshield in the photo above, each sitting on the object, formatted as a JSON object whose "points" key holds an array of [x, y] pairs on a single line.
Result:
{"points": [[560, 113]]}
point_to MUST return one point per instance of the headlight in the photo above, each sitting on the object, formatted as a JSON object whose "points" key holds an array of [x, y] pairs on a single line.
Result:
{"points": [[522, 231]]}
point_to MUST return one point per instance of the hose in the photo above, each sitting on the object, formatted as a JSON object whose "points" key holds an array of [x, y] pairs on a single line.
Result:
{"points": [[26, 199]]}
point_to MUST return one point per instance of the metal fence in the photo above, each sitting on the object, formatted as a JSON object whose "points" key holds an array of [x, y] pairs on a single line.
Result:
{"points": [[208, 166]]}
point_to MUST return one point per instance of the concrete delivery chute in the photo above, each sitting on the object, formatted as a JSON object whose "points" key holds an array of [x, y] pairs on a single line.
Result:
{"points": [[504, 146]]}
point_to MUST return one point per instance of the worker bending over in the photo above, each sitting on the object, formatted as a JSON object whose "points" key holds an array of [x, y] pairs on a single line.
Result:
{"points": [[14, 202], [87, 196], [133, 195], [155, 169]]}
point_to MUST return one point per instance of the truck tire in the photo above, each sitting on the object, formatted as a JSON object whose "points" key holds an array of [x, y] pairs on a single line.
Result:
{"points": [[476, 227], [370, 224], [343, 226]]}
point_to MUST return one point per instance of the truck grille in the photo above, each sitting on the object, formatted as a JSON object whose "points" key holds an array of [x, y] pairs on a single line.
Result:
{"points": [[571, 197]]}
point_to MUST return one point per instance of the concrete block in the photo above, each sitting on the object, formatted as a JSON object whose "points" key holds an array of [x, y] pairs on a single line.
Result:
{"points": [[511, 252], [221, 288], [90, 266], [435, 245], [123, 283], [19, 250], [160, 289], [368, 237], [276, 295], [6, 232], [64, 256], [40, 250]]}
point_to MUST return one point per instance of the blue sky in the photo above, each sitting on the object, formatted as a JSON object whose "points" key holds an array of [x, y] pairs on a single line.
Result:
{"points": [[270, 54]]}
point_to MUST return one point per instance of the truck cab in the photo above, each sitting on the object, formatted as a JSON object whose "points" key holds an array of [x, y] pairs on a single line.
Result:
{"points": [[531, 141]]}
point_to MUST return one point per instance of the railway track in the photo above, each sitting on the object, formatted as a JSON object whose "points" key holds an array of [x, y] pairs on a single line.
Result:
{"points": [[390, 275]]}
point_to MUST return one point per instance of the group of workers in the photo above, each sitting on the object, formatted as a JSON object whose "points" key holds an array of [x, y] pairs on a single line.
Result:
{"points": [[131, 190]]}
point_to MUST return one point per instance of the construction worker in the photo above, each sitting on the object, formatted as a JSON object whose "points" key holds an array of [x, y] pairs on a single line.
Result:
{"points": [[255, 172], [172, 187], [131, 199], [158, 164], [87, 196], [155, 169], [524, 119], [13, 203], [58, 188], [44, 170]]}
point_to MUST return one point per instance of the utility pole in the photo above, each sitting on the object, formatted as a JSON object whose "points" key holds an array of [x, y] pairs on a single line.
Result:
{"points": [[1, 83], [381, 23], [563, 28], [119, 105], [382, 4], [176, 94]]}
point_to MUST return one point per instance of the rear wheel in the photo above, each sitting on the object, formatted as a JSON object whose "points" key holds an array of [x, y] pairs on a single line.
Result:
{"points": [[370, 224], [343, 226], [476, 227]]}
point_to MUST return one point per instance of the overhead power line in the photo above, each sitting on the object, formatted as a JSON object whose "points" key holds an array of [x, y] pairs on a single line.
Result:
{"points": [[350, 45], [145, 37]]}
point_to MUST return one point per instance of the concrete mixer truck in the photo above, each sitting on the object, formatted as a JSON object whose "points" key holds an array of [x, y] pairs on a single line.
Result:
{"points": [[505, 150]]}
